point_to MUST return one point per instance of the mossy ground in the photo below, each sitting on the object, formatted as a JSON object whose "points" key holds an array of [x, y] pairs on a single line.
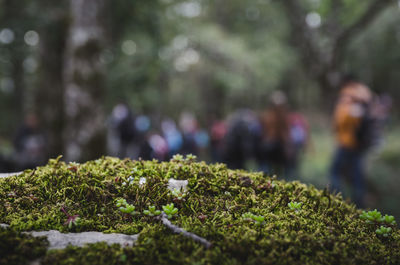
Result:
{"points": [[19, 248], [326, 230]]}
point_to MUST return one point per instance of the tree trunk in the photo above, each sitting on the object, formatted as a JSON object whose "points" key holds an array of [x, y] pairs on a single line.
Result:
{"points": [[17, 74], [49, 94], [11, 14], [84, 135]]}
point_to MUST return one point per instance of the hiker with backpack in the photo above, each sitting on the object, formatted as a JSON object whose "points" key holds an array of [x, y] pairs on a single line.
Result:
{"points": [[122, 132], [300, 139], [276, 146], [239, 144], [354, 130]]}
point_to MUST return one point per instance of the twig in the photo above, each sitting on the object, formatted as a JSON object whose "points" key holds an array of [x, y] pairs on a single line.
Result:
{"points": [[178, 230]]}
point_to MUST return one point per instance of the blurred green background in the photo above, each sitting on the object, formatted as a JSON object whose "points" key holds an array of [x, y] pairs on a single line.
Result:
{"points": [[71, 62]]}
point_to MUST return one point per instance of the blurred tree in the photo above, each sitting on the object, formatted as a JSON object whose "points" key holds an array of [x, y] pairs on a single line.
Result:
{"points": [[13, 54], [376, 55], [49, 100], [84, 81], [166, 56], [137, 33], [323, 46]]}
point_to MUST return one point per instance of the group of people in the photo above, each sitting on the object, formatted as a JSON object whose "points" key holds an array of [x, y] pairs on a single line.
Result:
{"points": [[271, 140], [136, 136]]}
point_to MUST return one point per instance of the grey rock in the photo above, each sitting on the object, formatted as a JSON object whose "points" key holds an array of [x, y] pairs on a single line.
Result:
{"points": [[59, 240], [4, 175]]}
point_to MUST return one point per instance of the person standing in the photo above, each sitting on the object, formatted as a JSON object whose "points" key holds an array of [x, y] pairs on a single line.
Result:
{"points": [[351, 125], [122, 131], [275, 150], [240, 139], [30, 144]]}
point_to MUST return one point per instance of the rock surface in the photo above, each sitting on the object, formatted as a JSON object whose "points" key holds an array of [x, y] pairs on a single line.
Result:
{"points": [[4, 175], [59, 240]]}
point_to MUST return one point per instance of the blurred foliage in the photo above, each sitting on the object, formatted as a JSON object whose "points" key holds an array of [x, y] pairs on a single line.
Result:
{"points": [[164, 56], [193, 51]]}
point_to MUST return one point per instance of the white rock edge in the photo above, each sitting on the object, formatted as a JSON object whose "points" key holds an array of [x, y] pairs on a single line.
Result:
{"points": [[5, 175], [59, 240]]}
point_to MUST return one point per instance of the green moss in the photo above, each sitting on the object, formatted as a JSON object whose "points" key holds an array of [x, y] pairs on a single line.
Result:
{"points": [[327, 230], [18, 248]]}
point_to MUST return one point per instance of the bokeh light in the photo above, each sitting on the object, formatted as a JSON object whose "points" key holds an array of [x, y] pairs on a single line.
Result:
{"points": [[313, 20], [31, 38], [128, 47], [7, 85], [6, 36]]}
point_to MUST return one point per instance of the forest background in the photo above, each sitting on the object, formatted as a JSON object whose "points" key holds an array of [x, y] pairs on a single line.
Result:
{"points": [[72, 61]]}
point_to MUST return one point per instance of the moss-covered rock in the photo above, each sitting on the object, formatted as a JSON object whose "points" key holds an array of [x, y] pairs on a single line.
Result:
{"points": [[246, 216]]}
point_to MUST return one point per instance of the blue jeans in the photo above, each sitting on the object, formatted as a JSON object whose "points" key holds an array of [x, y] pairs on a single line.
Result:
{"points": [[348, 162]]}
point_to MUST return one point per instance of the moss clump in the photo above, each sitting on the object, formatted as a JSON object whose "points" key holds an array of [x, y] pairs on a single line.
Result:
{"points": [[18, 248], [326, 230]]}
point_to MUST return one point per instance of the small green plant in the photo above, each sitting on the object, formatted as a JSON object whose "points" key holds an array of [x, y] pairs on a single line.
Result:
{"points": [[179, 194], [248, 216], [295, 206], [388, 219], [257, 219], [177, 158], [371, 217], [152, 211], [191, 158], [170, 210], [125, 207], [383, 231], [181, 158], [123, 258]]}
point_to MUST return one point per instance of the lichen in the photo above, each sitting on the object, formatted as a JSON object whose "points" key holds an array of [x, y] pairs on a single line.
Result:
{"points": [[327, 230]]}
